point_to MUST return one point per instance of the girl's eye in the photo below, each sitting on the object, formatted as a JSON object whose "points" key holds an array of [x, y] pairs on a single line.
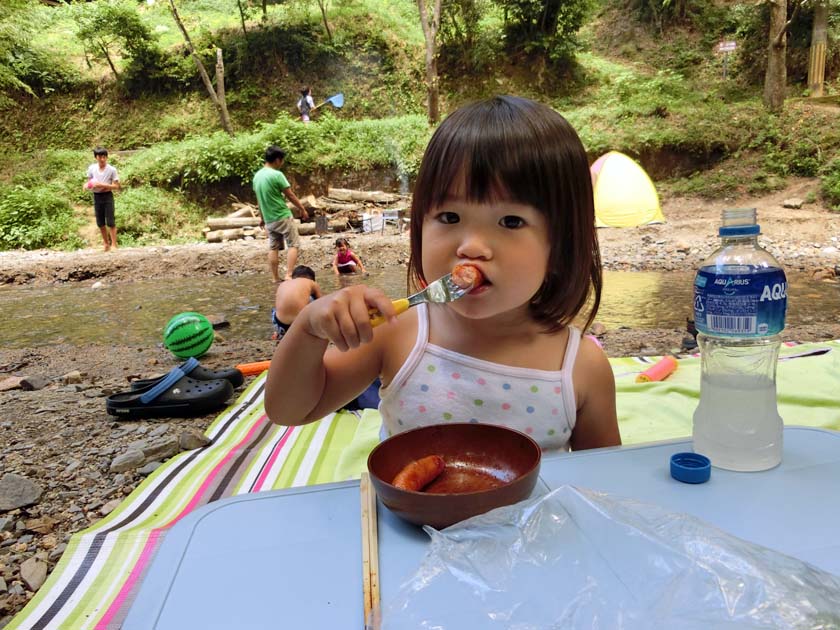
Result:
{"points": [[511, 222], [448, 217]]}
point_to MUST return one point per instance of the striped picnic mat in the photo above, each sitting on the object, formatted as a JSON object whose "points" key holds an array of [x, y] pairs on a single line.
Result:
{"points": [[99, 574], [97, 578]]}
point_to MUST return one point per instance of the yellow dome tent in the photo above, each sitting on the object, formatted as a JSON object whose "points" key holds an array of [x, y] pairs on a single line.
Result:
{"points": [[624, 194]]}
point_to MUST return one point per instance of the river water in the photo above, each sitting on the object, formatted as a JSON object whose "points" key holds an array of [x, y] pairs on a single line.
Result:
{"points": [[135, 313]]}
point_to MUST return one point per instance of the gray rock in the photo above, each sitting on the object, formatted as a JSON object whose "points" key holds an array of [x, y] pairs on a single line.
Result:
{"points": [[127, 461], [793, 202], [71, 378], [109, 507], [149, 468], [159, 430], [17, 491], [161, 448], [3, 587], [188, 440], [33, 572], [6, 524], [56, 553], [34, 383]]}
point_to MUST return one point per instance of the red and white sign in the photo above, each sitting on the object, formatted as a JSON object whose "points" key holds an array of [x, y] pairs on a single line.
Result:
{"points": [[727, 46]]}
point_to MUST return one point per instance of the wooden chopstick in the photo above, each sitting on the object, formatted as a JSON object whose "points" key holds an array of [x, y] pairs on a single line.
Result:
{"points": [[370, 550]]}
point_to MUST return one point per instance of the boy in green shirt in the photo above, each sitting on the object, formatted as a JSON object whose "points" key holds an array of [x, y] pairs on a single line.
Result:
{"points": [[272, 189]]}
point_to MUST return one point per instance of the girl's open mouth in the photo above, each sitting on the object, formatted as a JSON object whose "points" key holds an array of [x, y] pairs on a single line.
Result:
{"points": [[481, 288]]}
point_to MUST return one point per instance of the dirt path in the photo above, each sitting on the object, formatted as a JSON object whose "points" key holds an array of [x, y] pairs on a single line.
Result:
{"points": [[61, 438]]}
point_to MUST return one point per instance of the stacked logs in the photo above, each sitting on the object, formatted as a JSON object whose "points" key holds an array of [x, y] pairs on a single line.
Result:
{"points": [[342, 210]]}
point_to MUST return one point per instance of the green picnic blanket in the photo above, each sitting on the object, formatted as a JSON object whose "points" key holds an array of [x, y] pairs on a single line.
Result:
{"points": [[100, 573]]}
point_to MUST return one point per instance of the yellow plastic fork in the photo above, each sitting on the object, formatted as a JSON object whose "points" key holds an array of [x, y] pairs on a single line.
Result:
{"points": [[441, 290]]}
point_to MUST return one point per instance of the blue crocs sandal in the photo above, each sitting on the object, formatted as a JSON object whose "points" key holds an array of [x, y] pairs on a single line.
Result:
{"points": [[197, 372], [175, 395]]}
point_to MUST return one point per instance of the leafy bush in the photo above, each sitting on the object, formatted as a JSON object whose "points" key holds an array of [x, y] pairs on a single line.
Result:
{"points": [[30, 219], [331, 144], [831, 185], [148, 215], [547, 28]]}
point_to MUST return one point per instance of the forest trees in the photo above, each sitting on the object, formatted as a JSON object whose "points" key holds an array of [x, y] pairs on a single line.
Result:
{"points": [[217, 94], [110, 28], [430, 21], [775, 77]]}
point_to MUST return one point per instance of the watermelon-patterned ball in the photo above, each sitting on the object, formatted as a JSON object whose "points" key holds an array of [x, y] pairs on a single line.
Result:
{"points": [[188, 335]]}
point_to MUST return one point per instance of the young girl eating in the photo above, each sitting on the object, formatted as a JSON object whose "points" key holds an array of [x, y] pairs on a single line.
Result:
{"points": [[503, 186]]}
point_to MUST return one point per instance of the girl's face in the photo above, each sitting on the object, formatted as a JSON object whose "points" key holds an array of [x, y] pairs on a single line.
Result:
{"points": [[506, 240], [341, 247]]}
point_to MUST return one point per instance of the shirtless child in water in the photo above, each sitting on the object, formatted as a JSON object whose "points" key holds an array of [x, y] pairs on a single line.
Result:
{"points": [[292, 295]]}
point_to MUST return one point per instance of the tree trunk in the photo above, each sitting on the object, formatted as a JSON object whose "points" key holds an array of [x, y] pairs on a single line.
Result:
{"points": [[242, 18], [108, 58], [430, 25], [265, 10], [323, 6], [202, 70], [819, 39], [775, 77], [220, 91]]}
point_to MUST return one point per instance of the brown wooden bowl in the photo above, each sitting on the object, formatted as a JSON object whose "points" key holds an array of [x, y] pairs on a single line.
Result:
{"points": [[474, 454]]}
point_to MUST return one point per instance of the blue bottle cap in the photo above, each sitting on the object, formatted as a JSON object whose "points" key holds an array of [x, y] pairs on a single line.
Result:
{"points": [[690, 467]]}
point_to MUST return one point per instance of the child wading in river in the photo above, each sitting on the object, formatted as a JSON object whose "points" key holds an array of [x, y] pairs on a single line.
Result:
{"points": [[345, 260], [504, 185]]}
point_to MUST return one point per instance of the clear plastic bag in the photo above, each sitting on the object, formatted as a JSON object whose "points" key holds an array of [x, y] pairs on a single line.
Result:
{"points": [[576, 558]]}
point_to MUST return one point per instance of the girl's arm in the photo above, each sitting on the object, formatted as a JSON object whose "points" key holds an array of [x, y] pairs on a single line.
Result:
{"points": [[335, 264], [597, 423], [305, 380], [358, 261]]}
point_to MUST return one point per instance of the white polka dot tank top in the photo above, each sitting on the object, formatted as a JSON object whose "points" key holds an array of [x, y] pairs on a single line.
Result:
{"points": [[436, 385]]}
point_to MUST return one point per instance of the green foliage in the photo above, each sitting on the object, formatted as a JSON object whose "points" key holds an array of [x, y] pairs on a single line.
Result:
{"points": [[663, 13], [751, 24], [24, 66], [114, 27], [830, 188], [330, 144], [148, 215], [31, 219], [544, 28], [467, 42]]}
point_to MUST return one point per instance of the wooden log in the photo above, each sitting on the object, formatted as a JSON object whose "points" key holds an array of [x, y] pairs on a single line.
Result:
{"points": [[329, 206], [244, 211], [373, 196], [308, 229], [223, 223], [219, 236], [309, 202]]}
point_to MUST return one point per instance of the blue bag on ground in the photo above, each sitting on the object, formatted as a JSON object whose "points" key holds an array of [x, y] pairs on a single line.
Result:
{"points": [[576, 558]]}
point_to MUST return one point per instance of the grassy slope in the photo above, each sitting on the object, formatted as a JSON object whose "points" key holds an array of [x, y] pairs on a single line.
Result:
{"points": [[625, 100]]}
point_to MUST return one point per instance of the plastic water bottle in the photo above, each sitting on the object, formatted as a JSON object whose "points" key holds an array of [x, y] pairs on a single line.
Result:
{"points": [[740, 298]]}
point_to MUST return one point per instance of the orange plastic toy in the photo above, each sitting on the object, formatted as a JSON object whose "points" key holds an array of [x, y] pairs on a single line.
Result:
{"points": [[251, 369], [659, 371]]}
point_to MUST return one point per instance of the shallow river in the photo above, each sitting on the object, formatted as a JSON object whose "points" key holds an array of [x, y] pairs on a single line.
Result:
{"points": [[135, 313]]}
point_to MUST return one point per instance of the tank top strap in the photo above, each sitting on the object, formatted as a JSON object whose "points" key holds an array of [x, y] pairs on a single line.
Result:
{"points": [[417, 351], [572, 346]]}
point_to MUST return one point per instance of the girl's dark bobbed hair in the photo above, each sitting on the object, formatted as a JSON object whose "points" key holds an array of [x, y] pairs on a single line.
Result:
{"points": [[525, 152]]}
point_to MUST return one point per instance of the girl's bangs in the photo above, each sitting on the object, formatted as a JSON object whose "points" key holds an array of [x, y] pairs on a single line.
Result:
{"points": [[486, 165]]}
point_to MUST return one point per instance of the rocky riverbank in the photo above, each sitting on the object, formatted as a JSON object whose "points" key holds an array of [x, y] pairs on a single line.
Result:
{"points": [[58, 447]]}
